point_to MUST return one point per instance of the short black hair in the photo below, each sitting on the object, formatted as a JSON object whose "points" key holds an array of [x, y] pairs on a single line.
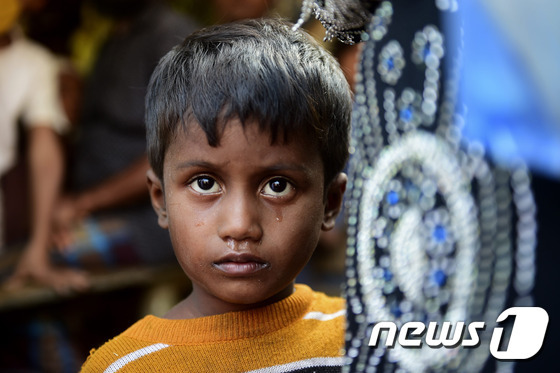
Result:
{"points": [[259, 70]]}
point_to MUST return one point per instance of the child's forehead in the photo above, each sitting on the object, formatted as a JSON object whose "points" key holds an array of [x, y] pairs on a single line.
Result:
{"points": [[252, 130]]}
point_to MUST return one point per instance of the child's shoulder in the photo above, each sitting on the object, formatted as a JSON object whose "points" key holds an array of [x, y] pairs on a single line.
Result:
{"points": [[112, 352], [324, 308], [325, 303]]}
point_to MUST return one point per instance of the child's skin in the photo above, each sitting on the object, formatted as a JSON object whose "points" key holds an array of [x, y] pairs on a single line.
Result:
{"points": [[244, 217]]}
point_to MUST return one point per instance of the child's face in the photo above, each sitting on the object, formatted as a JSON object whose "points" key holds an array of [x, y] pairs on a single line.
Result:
{"points": [[244, 217]]}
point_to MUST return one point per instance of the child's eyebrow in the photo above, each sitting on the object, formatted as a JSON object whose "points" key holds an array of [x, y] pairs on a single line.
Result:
{"points": [[288, 167], [271, 168], [195, 163]]}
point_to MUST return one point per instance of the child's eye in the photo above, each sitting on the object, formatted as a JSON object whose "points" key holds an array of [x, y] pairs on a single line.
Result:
{"points": [[278, 187], [205, 185]]}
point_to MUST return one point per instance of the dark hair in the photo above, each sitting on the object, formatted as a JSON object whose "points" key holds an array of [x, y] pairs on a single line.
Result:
{"points": [[258, 70]]}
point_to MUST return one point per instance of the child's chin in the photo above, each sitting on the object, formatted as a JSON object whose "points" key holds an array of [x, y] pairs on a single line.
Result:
{"points": [[252, 295], [245, 298]]}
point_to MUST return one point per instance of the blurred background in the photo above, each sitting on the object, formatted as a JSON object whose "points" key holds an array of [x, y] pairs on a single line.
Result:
{"points": [[511, 85], [103, 52]]}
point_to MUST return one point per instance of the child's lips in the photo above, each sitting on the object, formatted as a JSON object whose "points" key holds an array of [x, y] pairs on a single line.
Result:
{"points": [[241, 264]]}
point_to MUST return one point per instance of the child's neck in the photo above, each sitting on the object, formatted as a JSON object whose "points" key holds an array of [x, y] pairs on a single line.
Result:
{"points": [[201, 304]]}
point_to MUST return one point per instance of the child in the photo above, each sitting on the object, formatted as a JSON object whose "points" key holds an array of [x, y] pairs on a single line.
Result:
{"points": [[247, 136]]}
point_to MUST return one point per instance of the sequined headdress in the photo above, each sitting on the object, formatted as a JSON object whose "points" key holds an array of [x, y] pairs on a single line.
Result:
{"points": [[436, 232]]}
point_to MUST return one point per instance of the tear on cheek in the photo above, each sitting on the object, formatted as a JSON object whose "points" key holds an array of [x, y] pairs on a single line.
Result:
{"points": [[279, 215]]}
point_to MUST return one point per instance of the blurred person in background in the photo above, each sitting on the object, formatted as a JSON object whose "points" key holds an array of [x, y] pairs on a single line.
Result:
{"points": [[29, 93], [106, 218]]}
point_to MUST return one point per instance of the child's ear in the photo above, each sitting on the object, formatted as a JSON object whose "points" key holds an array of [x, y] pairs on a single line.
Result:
{"points": [[155, 187], [334, 198]]}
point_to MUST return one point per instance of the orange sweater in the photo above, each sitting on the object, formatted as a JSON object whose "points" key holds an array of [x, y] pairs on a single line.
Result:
{"points": [[304, 332]]}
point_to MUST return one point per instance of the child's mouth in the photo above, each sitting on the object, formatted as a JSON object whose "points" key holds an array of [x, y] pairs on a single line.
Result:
{"points": [[240, 264]]}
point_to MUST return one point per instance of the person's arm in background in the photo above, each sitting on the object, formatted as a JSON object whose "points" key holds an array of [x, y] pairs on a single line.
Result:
{"points": [[127, 186], [46, 168]]}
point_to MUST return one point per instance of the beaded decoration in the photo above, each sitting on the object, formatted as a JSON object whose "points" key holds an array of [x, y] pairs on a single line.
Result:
{"points": [[436, 232]]}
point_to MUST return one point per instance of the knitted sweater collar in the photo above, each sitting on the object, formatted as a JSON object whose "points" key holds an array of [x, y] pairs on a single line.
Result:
{"points": [[227, 326]]}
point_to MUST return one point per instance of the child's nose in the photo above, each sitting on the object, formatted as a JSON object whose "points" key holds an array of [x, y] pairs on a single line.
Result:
{"points": [[239, 218]]}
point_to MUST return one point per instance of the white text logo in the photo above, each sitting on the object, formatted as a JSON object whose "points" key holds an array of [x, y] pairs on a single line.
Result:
{"points": [[525, 340]]}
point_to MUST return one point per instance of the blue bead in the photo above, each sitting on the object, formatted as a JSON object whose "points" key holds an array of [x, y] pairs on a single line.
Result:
{"points": [[439, 277], [396, 310], [439, 234], [406, 114], [387, 275], [392, 197], [427, 51], [390, 63]]}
